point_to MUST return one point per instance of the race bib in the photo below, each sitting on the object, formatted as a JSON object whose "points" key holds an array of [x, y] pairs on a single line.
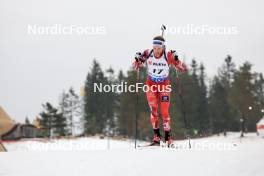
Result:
{"points": [[157, 68]]}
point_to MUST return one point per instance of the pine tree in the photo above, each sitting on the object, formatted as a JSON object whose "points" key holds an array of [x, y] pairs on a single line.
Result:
{"points": [[52, 121], [226, 72], [47, 118], [145, 130], [94, 101], [63, 107], [177, 108], [192, 98], [72, 111], [226, 78], [127, 102], [111, 103], [59, 124], [203, 102], [242, 96], [218, 105]]}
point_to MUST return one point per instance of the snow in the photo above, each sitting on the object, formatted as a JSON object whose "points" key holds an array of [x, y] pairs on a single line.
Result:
{"points": [[216, 155]]}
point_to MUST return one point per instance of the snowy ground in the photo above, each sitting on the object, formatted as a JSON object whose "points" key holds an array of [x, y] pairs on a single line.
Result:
{"points": [[215, 155]]}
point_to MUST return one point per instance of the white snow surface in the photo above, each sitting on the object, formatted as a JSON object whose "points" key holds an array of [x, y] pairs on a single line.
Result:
{"points": [[216, 155]]}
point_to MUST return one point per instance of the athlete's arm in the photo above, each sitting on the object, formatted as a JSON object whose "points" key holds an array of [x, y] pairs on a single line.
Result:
{"points": [[174, 60]]}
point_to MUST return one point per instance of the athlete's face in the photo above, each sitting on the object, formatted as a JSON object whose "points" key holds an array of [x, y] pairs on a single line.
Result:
{"points": [[158, 51]]}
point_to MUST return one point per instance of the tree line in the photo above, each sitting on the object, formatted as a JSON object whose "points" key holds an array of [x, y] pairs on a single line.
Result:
{"points": [[231, 100]]}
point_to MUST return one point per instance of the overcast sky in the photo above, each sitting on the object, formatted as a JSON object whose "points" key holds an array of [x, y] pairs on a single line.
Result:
{"points": [[36, 68]]}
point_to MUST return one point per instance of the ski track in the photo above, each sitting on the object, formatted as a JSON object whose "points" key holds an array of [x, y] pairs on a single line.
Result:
{"points": [[246, 158]]}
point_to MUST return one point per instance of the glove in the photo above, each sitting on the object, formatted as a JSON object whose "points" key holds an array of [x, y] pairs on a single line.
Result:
{"points": [[175, 55], [139, 57], [138, 60]]}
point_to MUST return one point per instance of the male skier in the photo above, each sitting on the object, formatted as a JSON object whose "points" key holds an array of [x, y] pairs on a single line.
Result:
{"points": [[158, 62]]}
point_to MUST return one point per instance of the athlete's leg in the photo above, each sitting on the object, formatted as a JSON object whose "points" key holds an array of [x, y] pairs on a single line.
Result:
{"points": [[152, 97], [164, 108]]}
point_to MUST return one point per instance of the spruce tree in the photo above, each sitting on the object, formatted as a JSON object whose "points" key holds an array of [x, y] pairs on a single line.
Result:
{"points": [[94, 101], [203, 102], [243, 96], [218, 105], [111, 104], [52, 121]]}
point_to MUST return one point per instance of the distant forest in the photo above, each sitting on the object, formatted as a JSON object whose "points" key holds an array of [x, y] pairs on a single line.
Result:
{"points": [[232, 100]]}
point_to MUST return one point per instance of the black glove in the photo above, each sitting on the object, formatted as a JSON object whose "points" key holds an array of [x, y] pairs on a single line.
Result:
{"points": [[174, 55], [139, 57]]}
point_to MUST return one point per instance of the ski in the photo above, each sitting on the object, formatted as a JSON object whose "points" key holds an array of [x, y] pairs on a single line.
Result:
{"points": [[153, 144], [161, 145]]}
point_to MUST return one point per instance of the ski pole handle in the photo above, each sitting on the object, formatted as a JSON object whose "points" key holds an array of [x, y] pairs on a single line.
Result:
{"points": [[163, 28]]}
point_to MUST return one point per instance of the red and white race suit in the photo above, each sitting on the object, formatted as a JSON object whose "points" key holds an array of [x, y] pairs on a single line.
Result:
{"points": [[158, 76]]}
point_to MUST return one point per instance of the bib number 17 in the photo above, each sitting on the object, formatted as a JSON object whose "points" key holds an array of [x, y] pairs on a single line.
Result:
{"points": [[158, 71]]}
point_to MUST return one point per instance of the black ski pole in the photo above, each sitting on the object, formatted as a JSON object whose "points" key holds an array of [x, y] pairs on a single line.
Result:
{"points": [[136, 117]]}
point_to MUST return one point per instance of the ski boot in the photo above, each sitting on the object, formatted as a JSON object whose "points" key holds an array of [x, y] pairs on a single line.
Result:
{"points": [[168, 140], [156, 139]]}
